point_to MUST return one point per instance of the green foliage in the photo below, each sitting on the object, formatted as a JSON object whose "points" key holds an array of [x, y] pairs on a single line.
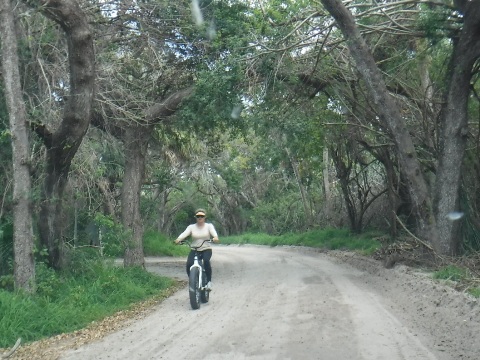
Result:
{"points": [[6, 248], [6, 188], [48, 281], [7, 282], [459, 275], [331, 239], [232, 177], [278, 214], [470, 199], [114, 235], [70, 301], [471, 235], [216, 103], [475, 292], [230, 21], [183, 218], [435, 22], [4, 123], [111, 160], [156, 244], [451, 272]]}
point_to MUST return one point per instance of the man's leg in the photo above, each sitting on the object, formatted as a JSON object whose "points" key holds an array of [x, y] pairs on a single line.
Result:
{"points": [[207, 255], [190, 258]]}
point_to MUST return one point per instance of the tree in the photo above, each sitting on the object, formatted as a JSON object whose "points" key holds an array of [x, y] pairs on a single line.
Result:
{"points": [[24, 269], [444, 236], [389, 114], [455, 129], [136, 138], [154, 69], [63, 142]]}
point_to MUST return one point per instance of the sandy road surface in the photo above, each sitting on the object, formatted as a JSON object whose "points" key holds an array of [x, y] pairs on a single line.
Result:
{"points": [[284, 303]]}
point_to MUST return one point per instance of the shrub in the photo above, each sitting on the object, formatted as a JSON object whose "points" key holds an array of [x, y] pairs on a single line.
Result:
{"points": [[72, 299], [156, 244]]}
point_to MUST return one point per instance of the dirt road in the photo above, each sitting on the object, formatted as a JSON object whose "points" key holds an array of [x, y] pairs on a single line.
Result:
{"points": [[287, 303]]}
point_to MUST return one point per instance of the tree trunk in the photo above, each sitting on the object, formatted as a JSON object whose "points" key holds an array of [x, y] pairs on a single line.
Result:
{"points": [[24, 264], [343, 170], [389, 114], [428, 105], [51, 223], [392, 198], [301, 188], [326, 184], [136, 141], [109, 198], [455, 131], [63, 144]]}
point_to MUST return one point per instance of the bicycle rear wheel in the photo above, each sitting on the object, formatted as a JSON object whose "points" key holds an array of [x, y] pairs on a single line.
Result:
{"points": [[194, 288]]}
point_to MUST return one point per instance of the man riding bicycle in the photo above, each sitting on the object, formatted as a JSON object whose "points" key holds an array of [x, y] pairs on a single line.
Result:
{"points": [[200, 231]]}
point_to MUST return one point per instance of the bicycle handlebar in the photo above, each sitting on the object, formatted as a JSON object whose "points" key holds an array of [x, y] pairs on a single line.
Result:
{"points": [[189, 242]]}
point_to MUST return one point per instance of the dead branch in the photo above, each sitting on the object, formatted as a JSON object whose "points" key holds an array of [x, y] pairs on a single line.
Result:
{"points": [[12, 350], [428, 246]]}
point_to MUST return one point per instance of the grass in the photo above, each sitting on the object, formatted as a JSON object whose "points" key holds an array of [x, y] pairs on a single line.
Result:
{"points": [[156, 244], [474, 291], [91, 290], [331, 239], [459, 275], [451, 272], [69, 301]]}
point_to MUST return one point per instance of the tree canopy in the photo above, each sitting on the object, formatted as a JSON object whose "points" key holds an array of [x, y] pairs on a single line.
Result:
{"points": [[276, 116]]}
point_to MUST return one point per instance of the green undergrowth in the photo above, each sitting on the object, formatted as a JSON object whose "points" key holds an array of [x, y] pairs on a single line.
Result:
{"points": [[91, 290], [156, 244], [330, 239], [451, 272], [474, 291], [461, 276]]}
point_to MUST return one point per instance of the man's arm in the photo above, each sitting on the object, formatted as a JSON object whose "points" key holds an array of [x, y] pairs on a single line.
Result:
{"points": [[214, 234], [184, 235]]}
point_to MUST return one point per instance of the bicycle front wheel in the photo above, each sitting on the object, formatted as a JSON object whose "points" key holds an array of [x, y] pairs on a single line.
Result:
{"points": [[194, 288]]}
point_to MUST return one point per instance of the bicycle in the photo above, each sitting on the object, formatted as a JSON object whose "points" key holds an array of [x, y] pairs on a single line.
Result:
{"points": [[197, 280]]}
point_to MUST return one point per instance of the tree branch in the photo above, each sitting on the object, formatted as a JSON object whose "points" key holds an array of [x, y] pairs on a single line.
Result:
{"points": [[168, 107]]}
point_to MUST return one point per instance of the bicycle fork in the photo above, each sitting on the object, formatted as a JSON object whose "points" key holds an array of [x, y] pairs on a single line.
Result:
{"points": [[196, 264]]}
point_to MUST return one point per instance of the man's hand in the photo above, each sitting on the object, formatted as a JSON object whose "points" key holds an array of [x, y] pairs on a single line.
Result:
{"points": [[178, 241], [215, 239]]}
